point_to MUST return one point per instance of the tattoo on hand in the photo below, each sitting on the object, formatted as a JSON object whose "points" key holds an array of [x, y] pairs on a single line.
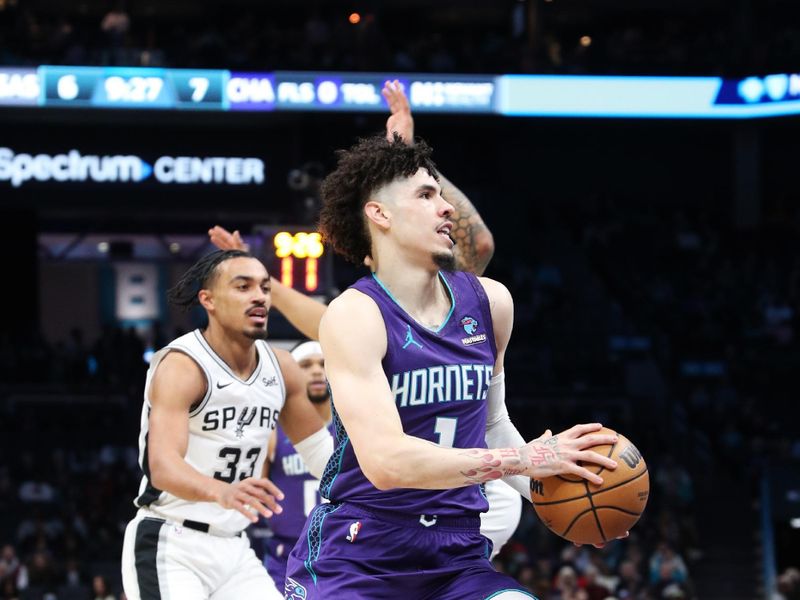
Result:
{"points": [[553, 441], [541, 456]]}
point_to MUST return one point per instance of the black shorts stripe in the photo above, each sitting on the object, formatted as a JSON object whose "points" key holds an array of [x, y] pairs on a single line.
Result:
{"points": [[145, 552]]}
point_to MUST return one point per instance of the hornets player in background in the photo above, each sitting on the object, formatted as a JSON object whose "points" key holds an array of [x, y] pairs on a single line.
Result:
{"points": [[286, 468], [472, 253], [212, 399], [414, 357]]}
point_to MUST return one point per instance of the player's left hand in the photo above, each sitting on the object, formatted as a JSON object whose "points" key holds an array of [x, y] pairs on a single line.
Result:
{"points": [[400, 121], [621, 537], [225, 240]]}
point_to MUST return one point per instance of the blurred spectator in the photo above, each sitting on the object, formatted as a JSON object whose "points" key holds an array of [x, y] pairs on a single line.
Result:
{"points": [[8, 589], [100, 589], [667, 568], [566, 586], [42, 573], [115, 26], [674, 483], [631, 584], [594, 589], [788, 585]]}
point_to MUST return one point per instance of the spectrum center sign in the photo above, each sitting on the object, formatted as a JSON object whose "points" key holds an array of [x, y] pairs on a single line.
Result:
{"points": [[72, 166]]}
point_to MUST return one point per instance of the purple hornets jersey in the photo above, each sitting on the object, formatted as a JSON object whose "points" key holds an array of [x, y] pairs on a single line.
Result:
{"points": [[439, 379]]}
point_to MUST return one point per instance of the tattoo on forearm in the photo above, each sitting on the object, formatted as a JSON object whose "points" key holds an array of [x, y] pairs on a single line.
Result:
{"points": [[492, 464]]}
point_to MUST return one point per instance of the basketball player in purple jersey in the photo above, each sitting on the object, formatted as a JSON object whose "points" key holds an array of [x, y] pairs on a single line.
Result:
{"points": [[414, 356], [473, 252], [287, 470]]}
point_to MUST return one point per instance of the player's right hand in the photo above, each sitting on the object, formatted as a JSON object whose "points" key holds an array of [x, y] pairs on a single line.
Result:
{"points": [[251, 497], [561, 454], [225, 240]]}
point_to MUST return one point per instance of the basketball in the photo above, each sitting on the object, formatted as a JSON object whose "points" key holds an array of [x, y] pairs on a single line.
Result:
{"points": [[585, 513]]}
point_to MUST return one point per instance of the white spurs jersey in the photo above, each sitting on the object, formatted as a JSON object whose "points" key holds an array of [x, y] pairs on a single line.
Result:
{"points": [[228, 430]]}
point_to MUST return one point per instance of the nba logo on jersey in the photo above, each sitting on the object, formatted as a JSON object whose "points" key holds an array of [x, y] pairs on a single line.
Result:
{"points": [[469, 324], [354, 529], [293, 590]]}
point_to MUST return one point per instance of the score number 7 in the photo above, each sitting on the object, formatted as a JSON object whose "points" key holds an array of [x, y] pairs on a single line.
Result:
{"points": [[199, 87]]}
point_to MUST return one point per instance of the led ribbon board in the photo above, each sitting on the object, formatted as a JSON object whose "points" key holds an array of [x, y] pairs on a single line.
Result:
{"points": [[508, 95]]}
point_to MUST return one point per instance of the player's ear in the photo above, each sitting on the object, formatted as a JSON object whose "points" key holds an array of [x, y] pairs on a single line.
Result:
{"points": [[206, 299], [377, 213]]}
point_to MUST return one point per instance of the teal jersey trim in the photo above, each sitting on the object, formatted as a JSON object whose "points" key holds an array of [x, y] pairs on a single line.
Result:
{"points": [[449, 291], [314, 535]]}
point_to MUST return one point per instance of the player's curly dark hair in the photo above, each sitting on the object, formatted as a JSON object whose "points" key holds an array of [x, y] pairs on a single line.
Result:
{"points": [[199, 276], [371, 163]]}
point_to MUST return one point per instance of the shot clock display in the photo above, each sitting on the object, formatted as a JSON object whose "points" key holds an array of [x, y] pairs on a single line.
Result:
{"points": [[295, 257]]}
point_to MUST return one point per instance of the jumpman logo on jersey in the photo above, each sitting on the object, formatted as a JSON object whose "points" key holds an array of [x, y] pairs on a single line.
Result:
{"points": [[410, 339]]}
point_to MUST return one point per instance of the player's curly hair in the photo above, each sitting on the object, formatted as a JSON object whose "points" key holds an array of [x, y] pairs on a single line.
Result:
{"points": [[199, 276], [370, 164]]}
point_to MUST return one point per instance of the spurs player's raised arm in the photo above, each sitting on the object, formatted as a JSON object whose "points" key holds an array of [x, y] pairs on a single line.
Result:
{"points": [[474, 242], [300, 421], [300, 310], [353, 338], [177, 385]]}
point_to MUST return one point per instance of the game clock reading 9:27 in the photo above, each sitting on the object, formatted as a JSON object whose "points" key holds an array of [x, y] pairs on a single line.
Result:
{"points": [[112, 87], [296, 258]]}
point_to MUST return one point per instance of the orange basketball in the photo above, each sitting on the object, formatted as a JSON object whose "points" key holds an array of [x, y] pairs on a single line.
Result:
{"points": [[583, 512]]}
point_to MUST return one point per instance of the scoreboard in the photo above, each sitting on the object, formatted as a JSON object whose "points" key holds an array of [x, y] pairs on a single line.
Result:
{"points": [[507, 95], [148, 88], [116, 87]]}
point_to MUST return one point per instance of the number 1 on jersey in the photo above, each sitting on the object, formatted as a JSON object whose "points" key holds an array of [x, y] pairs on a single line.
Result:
{"points": [[446, 428]]}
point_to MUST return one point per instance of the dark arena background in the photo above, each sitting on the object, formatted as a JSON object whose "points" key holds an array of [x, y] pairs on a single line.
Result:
{"points": [[635, 161]]}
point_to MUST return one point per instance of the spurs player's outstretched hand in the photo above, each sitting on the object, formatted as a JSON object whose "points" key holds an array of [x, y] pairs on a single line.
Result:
{"points": [[251, 497], [400, 121], [225, 240], [560, 454]]}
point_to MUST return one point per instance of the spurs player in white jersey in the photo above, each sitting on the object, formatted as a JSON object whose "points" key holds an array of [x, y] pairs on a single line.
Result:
{"points": [[212, 399], [473, 253]]}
